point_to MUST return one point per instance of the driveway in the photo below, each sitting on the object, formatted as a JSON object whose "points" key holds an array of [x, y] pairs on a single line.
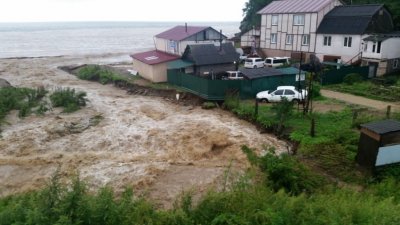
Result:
{"points": [[357, 100]]}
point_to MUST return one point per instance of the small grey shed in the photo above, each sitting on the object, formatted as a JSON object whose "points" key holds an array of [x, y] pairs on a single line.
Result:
{"points": [[379, 144]]}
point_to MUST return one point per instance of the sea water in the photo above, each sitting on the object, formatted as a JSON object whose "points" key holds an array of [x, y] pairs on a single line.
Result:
{"points": [[86, 38]]}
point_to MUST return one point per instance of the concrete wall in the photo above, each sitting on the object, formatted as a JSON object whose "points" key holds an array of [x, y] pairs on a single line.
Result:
{"points": [[337, 47], [154, 73]]}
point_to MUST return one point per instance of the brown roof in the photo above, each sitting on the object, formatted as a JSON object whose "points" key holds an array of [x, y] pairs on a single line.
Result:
{"points": [[179, 33], [154, 57], [294, 6]]}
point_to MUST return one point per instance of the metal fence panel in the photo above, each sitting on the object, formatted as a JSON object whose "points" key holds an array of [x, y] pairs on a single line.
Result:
{"points": [[335, 76]]}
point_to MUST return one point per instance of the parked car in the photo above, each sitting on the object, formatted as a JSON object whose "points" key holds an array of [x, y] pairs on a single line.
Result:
{"points": [[276, 61], [242, 58], [233, 75], [254, 63], [288, 92]]}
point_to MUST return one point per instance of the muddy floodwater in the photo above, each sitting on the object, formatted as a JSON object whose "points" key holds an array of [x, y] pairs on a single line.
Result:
{"points": [[149, 143]]}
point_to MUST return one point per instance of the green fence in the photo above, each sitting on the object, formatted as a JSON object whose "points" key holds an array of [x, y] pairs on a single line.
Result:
{"points": [[205, 88], [217, 89], [335, 76]]}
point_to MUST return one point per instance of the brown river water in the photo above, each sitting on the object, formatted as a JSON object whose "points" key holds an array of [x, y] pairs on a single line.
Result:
{"points": [[155, 146]]}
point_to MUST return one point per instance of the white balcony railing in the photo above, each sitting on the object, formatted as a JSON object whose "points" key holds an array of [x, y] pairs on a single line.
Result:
{"points": [[372, 55]]}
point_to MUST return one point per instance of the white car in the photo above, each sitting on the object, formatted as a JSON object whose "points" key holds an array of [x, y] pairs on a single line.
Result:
{"points": [[253, 63], [276, 61], [233, 75], [288, 92]]}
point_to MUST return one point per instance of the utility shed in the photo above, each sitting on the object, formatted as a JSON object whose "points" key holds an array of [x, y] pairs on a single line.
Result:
{"points": [[379, 144], [268, 78]]}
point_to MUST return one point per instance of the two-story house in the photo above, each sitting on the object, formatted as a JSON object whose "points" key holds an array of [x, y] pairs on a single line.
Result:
{"points": [[341, 32], [170, 45], [176, 39], [289, 26]]}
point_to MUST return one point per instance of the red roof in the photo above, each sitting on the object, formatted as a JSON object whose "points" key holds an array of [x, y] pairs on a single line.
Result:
{"points": [[154, 57], [179, 33], [295, 6]]}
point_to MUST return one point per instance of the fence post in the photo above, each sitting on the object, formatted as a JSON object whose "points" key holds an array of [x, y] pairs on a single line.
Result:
{"points": [[312, 131], [388, 111], [256, 109], [355, 116]]}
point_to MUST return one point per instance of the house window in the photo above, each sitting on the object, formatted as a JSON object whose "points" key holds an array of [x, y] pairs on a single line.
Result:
{"points": [[379, 47], [395, 63], [374, 47], [365, 47], [289, 39], [173, 47], [327, 40], [347, 41], [275, 20], [298, 20], [305, 39], [274, 38]]}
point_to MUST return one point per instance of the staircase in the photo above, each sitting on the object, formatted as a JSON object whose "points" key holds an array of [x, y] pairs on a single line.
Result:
{"points": [[355, 61]]}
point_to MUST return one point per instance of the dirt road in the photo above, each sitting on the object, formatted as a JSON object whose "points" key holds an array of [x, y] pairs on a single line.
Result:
{"points": [[147, 143], [357, 100]]}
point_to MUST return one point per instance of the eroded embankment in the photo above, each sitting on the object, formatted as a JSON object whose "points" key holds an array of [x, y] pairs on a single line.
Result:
{"points": [[118, 139]]}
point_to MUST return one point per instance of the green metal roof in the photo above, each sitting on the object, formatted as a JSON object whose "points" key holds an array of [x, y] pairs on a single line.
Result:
{"points": [[178, 64], [290, 70]]}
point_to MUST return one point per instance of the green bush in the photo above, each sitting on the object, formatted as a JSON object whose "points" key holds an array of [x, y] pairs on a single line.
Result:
{"points": [[91, 72], [285, 172], [352, 78], [69, 99], [97, 73], [22, 99], [231, 101]]}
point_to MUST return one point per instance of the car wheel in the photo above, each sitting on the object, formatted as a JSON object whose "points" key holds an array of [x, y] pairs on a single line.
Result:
{"points": [[264, 100], [297, 101]]}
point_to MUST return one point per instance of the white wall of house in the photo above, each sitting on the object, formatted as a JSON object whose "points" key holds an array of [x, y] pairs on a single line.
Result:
{"points": [[390, 49], [250, 38], [337, 46], [178, 47], [286, 27], [154, 73]]}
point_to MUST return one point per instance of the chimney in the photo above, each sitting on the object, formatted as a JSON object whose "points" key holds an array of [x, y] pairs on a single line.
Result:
{"points": [[186, 27]]}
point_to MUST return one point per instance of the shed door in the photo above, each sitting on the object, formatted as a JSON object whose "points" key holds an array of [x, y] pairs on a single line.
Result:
{"points": [[373, 67]]}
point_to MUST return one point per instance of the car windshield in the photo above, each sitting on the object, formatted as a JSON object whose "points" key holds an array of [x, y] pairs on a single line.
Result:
{"points": [[249, 60]]}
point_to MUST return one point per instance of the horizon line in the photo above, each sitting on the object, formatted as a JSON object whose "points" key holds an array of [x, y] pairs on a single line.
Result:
{"points": [[120, 21]]}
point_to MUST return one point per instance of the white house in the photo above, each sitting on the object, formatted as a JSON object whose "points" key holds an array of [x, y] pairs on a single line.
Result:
{"points": [[175, 40], [340, 34], [382, 52], [289, 26], [251, 39]]}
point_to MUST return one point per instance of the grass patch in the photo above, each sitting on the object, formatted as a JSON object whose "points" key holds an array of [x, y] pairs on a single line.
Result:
{"points": [[244, 204], [69, 99], [100, 74], [25, 100], [386, 90]]}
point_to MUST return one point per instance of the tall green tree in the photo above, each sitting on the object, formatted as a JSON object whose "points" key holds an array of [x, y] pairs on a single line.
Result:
{"points": [[251, 18]]}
